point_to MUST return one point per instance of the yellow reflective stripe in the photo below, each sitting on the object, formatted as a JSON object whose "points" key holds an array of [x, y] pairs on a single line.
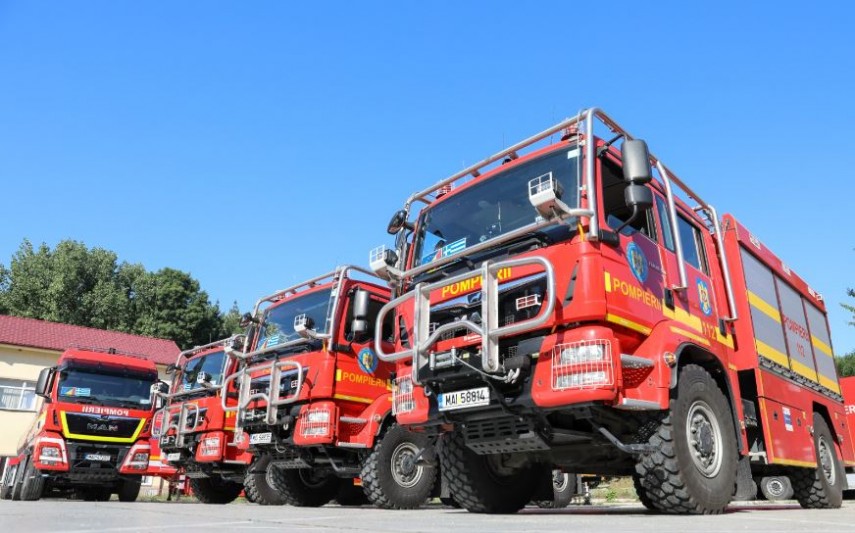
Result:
{"points": [[792, 462], [829, 383], [608, 279], [681, 315], [727, 340], [627, 323], [803, 370], [689, 334], [767, 351], [69, 435], [338, 374], [353, 398], [821, 346], [764, 307]]}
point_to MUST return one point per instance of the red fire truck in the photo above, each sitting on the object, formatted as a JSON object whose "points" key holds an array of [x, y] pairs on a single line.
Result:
{"points": [[197, 434], [91, 438], [561, 304], [316, 402]]}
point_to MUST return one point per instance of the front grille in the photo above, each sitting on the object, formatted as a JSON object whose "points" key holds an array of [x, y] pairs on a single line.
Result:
{"points": [[84, 467], [98, 426]]}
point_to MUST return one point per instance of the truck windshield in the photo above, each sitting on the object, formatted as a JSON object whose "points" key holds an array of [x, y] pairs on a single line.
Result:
{"points": [[493, 207], [96, 387], [277, 325], [210, 363]]}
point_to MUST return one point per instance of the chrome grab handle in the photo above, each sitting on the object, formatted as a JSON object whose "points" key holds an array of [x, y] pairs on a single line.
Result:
{"points": [[489, 330], [182, 428], [245, 396]]}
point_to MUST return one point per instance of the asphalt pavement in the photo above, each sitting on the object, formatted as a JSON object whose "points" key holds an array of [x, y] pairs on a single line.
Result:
{"points": [[62, 516]]}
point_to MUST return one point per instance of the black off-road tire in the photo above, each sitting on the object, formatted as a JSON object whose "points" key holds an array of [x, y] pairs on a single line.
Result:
{"points": [[669, 475], [18, 480], [350, 495], [562, 492], [33, 483], [215, 490], [129, 489], [776, 488], [256, 486], [391, 478], [475, 484], [643, 497], [6, 492], [304, 487], [820, 487]]}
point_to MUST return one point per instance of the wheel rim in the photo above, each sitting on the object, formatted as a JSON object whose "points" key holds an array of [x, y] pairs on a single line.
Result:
{"points": [[703, 434], [826, 461], [560, 480], [775, 487], [405, 471]]}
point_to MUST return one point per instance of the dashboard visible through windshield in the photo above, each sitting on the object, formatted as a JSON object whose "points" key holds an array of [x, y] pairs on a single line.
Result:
{"points": [[491, 208]]}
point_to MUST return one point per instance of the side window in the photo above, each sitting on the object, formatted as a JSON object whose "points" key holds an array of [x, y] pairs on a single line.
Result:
{"points": [[693, 246], [665, 223], [614, 205]]}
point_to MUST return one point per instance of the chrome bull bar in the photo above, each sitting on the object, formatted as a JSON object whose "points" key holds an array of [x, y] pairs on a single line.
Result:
{"points": [[180, 426], [490, 331], [243, 379]]}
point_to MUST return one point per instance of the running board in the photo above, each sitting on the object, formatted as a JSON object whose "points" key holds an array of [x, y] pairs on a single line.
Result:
{"points": [[350, 445]]}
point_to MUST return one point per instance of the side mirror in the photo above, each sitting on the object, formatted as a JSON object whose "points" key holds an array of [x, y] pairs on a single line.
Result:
{"points": [[636, 162], [161, 387], [171, 368], [304, 326], [638, 197], [246, 320], [398, 222], [43, 384], [360, 326]]}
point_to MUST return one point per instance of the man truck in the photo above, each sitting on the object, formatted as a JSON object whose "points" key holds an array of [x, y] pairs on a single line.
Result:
{"points": [[570, 303]]}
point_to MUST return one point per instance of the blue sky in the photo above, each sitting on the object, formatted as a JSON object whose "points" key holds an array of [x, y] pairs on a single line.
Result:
{"points": [[255, 144]]}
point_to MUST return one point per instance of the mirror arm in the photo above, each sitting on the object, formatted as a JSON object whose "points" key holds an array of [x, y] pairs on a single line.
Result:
{"points": [[630, 220]]}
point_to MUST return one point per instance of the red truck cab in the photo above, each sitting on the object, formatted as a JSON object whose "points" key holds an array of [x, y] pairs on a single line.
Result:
{"points": [[316, 402], [195, 434], [91, 437]]}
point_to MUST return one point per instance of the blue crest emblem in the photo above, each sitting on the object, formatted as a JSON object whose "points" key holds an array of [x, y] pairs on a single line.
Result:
{"points": [[637, 262], [704, 297], [367, 360]]}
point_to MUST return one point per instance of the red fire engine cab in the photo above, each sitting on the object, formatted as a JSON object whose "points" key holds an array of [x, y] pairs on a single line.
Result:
{"points": [[197, 435], [91, 437], [316, 401], [563, 304]]}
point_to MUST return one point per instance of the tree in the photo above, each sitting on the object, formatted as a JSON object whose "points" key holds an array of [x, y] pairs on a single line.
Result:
{"points": [[850, 307], [77, 285], [231, 321]]}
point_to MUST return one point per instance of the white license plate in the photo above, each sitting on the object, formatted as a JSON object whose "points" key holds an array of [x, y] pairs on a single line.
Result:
{"points": [[463, 399], [175, 456], [260, 438], [96, 457]]}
